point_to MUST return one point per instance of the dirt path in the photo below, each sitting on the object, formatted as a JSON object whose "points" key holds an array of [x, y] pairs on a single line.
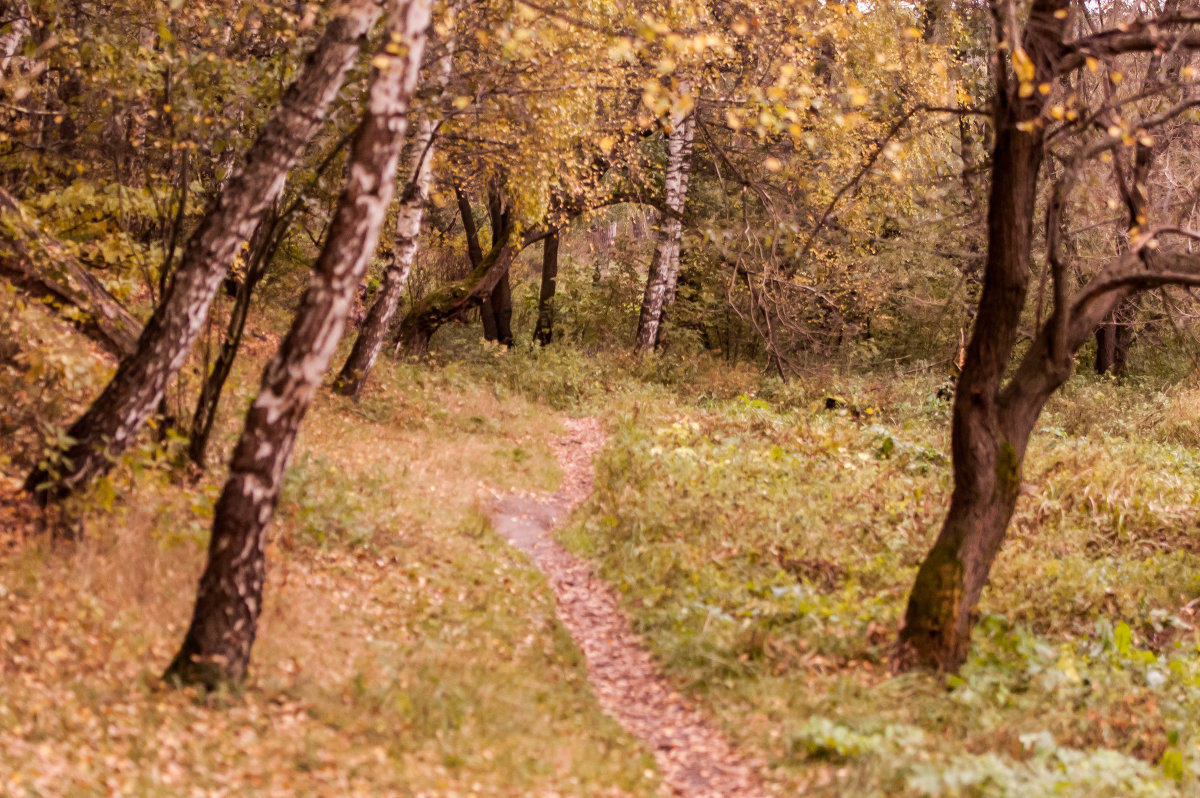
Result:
{"points": [[695, 759]]}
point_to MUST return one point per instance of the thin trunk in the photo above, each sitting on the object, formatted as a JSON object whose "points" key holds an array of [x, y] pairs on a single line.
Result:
{"points": [[502, 307], [217, 646], [37, 263], [369, 342], [367, 346], [664, 270], [989, 433], [264, 244], [112, 421], [544, 332]]}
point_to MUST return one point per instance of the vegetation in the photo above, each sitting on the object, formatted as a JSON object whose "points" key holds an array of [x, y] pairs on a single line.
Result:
{"points": [[886, 309]]}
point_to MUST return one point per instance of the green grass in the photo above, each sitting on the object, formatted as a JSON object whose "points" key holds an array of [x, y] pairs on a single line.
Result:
{"points": [[765, 546]]}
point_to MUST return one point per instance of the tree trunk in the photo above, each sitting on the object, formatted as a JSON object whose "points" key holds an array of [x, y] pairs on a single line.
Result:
{"points": [[664, 270], [367, 346], [263, 246], [502, 306], [990, 430], [37, 263], [16, 15], [113, 419], [544, 332], [217, 646]]}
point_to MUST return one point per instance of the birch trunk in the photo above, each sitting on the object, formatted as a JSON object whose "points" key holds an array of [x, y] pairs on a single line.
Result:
{"points": [[369, 342], [664, 270], [224, 622], [113, 419], [16, 14]]}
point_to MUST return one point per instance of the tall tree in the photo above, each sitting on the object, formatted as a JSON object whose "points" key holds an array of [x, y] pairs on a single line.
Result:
{"points": [[217, 646], [664, 269], [995, 414], [369, 342], [115, 417]]}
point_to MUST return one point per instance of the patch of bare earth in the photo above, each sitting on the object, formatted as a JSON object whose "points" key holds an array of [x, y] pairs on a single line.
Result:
{"points": [[696, 760]]}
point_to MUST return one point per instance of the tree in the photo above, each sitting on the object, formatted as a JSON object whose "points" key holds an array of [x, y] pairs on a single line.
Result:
{"points": [[543, 333], [994, 416], [664, 270], [115, 417], [216, 648], [369, 342], [42, 266]]}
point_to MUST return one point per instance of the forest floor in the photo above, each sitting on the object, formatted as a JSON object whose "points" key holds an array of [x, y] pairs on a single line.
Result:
{"points": [[696, 760], [759, 538]]}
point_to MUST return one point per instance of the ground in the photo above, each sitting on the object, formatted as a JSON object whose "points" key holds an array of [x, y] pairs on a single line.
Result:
{"points": [[760, 538]]}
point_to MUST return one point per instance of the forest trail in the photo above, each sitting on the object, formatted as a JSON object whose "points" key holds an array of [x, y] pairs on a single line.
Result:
{"points": [[696, 760]]}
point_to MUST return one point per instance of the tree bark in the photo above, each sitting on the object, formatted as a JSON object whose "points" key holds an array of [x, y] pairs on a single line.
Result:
{"points": [[544, 332], [113, 419], [664, 270], [991, 428], [502, 307], [369, 342], [217, 646], [35, 262], [263, 246], [16, 14]]}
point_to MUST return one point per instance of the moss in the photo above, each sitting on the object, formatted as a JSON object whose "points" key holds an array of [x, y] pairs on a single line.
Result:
{"points": [[1008, 470]]}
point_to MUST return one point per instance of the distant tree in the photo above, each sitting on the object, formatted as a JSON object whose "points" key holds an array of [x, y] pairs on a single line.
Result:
{"points": [[419, 177]]}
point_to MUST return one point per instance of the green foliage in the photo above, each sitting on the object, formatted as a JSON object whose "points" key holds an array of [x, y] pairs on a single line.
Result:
{"points": [[766, 553]]}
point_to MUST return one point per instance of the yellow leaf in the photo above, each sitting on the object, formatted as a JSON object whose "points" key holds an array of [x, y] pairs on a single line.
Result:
{"points": [[772, 164], [1092, 64], [1026, 90], [1060, 13], [381, 61], [1022, 65], [1115, 77], [1044, 88], [606, 144], [732, 119], [461, 101]]}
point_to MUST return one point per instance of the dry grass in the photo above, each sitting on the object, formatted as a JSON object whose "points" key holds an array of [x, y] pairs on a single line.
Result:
{"points": [[403, 649]]}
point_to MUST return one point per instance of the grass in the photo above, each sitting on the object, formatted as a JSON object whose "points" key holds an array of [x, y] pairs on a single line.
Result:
{"points": [[765, 545], [403, 648], [764, 537]]}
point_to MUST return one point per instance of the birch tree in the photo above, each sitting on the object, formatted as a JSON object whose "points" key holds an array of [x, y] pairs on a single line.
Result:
{"points": [[217, 646], [369, 342], [664, 269]]}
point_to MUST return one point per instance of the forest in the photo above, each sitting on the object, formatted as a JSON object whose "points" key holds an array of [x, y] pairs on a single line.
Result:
{"points": [[599, 398]]}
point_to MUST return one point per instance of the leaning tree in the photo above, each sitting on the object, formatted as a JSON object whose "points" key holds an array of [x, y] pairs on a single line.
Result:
{"points": [[216, 648]]}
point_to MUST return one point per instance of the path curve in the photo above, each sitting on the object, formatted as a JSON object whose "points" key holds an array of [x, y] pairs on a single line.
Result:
{"points": [[696, 760]]}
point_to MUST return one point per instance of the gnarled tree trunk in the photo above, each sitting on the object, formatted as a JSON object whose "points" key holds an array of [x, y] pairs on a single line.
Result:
{"points": [[217, 646], [113, 419], [664, 270], [990, 430]]}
